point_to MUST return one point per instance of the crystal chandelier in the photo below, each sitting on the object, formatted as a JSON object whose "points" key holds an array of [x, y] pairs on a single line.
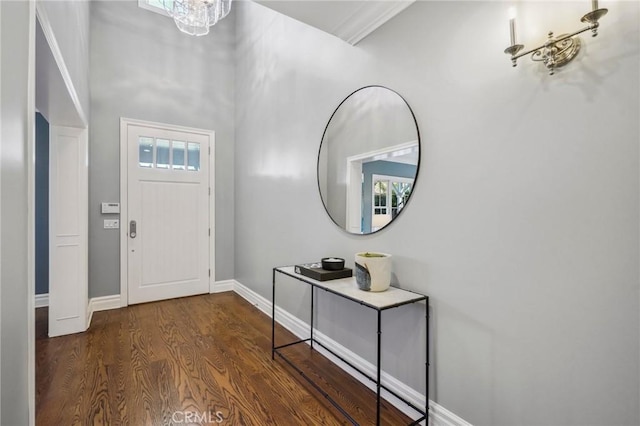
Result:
{"points": [[194, 17]]}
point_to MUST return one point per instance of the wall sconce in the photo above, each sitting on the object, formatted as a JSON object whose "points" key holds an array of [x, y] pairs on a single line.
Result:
{"points": [[556, 51]]}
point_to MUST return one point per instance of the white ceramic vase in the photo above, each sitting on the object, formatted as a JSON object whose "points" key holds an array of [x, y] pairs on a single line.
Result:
{"points": [[373, 271]]}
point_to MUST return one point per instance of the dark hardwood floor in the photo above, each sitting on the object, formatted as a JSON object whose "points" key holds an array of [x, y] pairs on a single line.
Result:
{"points": [[199, 360]]}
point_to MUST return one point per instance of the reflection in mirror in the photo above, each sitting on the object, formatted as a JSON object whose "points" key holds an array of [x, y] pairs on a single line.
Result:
{"points": [[368, 160]]}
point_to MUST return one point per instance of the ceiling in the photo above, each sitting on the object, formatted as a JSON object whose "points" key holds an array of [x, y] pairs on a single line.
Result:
{"points": [[350, 20]]}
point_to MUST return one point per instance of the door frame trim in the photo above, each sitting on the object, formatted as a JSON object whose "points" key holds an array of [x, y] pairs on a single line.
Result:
{"points": [[124, 192]]}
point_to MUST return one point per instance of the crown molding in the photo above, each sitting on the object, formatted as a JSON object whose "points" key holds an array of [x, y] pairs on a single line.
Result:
{"points": [[349, 20], [368, 17]]}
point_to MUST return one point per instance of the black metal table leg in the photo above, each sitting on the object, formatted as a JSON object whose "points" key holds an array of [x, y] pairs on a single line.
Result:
{"points": [[312, 293], [273, 314], [426, 366], [378, 369]]}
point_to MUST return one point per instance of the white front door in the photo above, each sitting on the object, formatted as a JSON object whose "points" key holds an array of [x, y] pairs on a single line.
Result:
{"points": [[167, 218]]}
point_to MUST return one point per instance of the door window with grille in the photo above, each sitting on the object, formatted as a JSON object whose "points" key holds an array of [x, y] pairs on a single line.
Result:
{"points": [[390, 194]]}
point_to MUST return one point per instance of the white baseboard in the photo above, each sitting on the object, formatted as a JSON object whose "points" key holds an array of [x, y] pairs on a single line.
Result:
{"points": [[254, 298], [103, 303], [41, 300], [438, 415], [221, 286]]}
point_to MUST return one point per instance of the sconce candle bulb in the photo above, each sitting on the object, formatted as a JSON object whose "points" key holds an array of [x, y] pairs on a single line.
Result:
{"points": [[556, 51], [512, 25], [512, 30]]}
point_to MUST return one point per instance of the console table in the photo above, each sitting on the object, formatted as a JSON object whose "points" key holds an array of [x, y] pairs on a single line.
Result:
{"points": [[346, 288]]}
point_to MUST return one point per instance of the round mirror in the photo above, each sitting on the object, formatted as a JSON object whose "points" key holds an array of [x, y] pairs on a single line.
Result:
{"points": [[368, 160]]}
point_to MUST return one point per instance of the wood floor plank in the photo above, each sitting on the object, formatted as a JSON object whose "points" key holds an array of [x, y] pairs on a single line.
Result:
{"points": [[207, 356]]}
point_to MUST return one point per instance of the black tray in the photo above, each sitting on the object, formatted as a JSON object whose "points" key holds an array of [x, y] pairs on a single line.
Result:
{"points": [[315, 271]]}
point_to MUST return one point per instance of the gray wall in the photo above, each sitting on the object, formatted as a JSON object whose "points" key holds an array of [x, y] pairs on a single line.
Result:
{"points": [[14, 356], [142, 67], [523, 227]]}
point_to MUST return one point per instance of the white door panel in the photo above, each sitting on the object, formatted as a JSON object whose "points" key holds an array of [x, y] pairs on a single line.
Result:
{"points": [[168, 198], [168, 234], [68, 231]]}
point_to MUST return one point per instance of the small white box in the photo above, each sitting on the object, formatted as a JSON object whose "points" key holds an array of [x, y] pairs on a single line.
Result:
{"points": [[110, 207]]}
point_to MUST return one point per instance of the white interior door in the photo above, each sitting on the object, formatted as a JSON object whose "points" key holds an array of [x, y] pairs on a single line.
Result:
{"points": [[68, 230], [167, 218]]}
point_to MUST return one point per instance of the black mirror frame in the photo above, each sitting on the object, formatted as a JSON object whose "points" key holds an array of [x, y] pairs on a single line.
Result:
{"points": [[417, 167]]}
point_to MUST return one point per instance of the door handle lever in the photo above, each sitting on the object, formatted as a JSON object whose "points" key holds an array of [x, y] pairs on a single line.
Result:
{"points": [[132, 229]]}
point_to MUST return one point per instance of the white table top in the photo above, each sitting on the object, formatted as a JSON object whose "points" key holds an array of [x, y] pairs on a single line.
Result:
{"points": [[347, 287]]}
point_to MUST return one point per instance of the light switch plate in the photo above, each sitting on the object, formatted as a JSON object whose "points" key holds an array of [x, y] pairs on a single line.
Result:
{"points": [[111, 224]]}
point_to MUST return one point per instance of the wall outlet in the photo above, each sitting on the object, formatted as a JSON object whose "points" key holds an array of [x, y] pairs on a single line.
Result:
{"points": [[111, 224]]}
